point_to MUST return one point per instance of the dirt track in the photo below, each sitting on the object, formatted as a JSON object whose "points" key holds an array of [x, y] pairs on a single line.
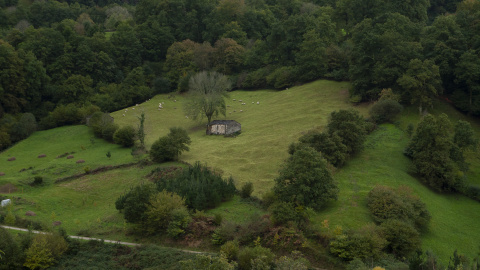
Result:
{"points": [[96, 239]]}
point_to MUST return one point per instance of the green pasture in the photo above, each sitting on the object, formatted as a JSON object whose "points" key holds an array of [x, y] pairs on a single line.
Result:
{"points": [[86, 205], [77, 141], [455, 218], [268, 128]]}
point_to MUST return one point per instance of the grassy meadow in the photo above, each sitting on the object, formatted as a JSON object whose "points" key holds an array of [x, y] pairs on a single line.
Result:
{"points": [[268, 128], [77, 141], [86, 205]]}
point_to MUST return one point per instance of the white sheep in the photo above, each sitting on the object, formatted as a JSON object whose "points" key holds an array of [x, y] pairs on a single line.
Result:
{"points": [[123, 114], [241, 110], [258, 102]]}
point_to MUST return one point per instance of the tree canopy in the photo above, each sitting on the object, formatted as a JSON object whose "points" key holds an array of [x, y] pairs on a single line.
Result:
{"points": [[206, 94], [305, 180]]}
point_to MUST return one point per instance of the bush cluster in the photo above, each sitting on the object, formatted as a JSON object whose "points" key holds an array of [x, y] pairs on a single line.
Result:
{"points": [[169, 147], [103, 126], [345, 135], [386, 203], [385, 111], [125, 136], [201, 187]]}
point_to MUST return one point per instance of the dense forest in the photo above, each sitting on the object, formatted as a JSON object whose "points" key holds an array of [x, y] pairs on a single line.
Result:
{"points": [[60, 61]]}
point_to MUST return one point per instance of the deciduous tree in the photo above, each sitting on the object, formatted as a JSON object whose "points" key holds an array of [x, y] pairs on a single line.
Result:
{"points": [[422, 82], [305, 180], [206, 94]]}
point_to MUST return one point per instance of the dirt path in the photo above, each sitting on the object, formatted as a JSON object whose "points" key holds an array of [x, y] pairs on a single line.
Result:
{"points": [[98, 239]]}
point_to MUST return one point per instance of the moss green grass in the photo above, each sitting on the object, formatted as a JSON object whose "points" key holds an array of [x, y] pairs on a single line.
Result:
{"points": [[268, 128], [455, 218], [75, 140], [86, 205]]}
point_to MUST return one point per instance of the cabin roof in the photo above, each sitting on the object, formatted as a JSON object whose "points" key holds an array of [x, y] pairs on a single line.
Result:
{"points": [[222, 122]]}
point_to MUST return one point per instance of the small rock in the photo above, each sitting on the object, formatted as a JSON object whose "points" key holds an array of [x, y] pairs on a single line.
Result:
{"points": [[70, 156], [42, 156], [12, 159], [57, 223], [80, 161], [30, 213]]}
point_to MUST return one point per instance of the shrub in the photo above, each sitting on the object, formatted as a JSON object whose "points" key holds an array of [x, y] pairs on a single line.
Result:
{"points": [[403, 239], [331, 146], [226, 232], [255, 255], [108, 130], [246, 190], [256, 79], [305, 180], [364, 243], [37, 180], [179, 222], [283, 213], [285, 238], [410, 129], [385, 111], [385, 203], [171, 146], [349, 125], [10, 218], [125, 136], [268, 198], [201, 188], [282, 77], [12, 254], [135, 202], [203, 262], [102, 125], [162, 150], [256, 227], [294, 261], [230, 250], [166, 210], [44, 250]]}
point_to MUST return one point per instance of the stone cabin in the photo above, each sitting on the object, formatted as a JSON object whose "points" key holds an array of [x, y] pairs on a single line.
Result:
{"points": [[223, 127]]}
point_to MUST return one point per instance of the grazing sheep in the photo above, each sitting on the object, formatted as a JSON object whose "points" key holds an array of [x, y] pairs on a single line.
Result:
{"points": [[133, 108], [123, 114], [253, 102], [234, 100], [241, 110], [258, 102]]}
